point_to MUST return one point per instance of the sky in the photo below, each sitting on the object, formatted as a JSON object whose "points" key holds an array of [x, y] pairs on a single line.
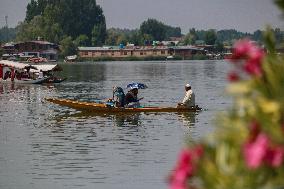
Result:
{"points": [[242, 15]]}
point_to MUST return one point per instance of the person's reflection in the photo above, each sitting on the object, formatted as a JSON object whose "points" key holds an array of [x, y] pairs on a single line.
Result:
{"points": [[122, 120], [188, 118], [1, 89]]}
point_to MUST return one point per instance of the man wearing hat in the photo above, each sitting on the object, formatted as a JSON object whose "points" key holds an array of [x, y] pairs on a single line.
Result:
{"points": [[189, 99]]}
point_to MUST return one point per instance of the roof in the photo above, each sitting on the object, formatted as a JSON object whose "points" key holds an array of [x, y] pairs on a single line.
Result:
{"points": [[93, 48], [38, 42], [13, 64], [10, 44], [187, 48], [19, 65], [127, 48], [48, 67]]}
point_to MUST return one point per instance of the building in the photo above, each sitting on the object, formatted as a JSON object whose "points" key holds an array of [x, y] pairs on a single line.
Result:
{"points": [[185, 52], [42, 49], [120, 53]]}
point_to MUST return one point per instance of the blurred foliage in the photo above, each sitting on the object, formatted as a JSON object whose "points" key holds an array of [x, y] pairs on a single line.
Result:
{"points": [[247, 148]]}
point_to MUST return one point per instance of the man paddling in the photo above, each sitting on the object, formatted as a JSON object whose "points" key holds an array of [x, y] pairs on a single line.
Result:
{"points": [[189, 99], [131, 99]]}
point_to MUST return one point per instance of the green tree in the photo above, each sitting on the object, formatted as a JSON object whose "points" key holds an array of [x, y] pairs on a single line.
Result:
{"points": [[32, 30], [210, 37], [32, 10], [172, 32], [7, 34], [67, 46], [99, 34], [190, 37], [257, 35], [81, 40], [153, 28], [219, 46], [68, 17]]}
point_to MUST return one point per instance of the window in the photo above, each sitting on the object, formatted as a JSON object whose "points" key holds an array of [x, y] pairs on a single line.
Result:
{"points": [[125, 52], [162, 52], [86, 53], [141, 52]]}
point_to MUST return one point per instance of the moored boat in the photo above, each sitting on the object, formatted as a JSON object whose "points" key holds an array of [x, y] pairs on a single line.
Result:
{"points": [[17, 72], [26, 81], [107, 108]]}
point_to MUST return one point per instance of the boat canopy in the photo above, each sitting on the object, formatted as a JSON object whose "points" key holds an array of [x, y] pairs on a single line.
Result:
{"points": [[47, 67], [33, 68], [12, 64]]}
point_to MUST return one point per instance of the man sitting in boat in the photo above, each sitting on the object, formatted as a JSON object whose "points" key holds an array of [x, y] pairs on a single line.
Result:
{"points": [[189, 99], [118, 97], [131, 99], [39, 74]]}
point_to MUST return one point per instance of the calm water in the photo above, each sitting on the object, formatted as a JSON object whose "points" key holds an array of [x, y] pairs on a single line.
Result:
{"points": [[43, 145]]}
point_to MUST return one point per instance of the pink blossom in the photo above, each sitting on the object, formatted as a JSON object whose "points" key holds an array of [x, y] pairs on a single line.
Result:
{"points": [[254, 62], [253, 68], [185, 167], [242, 48], [255, 151], [253, 55], [233, 76], [274, 156]]}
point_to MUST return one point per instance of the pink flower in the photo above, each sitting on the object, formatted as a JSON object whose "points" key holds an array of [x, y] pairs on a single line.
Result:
{"points": [[274, 156], [253, 64], [253, 68], [233, 76], [242, 48], [254, 130], [255, 151], [185, 167], [253, 55]]}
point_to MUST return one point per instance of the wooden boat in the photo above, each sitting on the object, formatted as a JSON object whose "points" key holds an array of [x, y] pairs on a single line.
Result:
{"points": [[105, 108], [17, 72], [25, 80]]}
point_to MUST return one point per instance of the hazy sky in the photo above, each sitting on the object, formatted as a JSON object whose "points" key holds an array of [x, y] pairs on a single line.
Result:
{"points": [[243, 15]]}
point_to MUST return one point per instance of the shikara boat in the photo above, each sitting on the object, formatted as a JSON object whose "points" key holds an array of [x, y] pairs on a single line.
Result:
{"points": [[17, 72], [25, 81], [106, 108]]}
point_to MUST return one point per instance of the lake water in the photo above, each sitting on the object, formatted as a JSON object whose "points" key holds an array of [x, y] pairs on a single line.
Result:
{"points": [[43, 145]]}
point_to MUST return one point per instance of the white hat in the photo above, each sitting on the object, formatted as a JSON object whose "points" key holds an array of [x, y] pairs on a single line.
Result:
{"points": [[187, 85]]}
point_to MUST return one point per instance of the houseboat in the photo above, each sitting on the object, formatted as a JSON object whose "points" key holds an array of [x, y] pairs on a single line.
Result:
{"points": [[17, 72]]}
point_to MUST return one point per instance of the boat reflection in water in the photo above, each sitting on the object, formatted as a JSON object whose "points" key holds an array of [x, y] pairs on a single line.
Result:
{"points": [[127, 119], [188, 118], [119, 120]]}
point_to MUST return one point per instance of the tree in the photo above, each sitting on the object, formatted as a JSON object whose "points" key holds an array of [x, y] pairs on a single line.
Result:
{"points": [[153, 28], [210, 37], [81, 40], [7, 34], [257, 35], [32, 30], [172, 32], [67, 46], [32, 10], [219, 46], [99, 34], [68, 17]]}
